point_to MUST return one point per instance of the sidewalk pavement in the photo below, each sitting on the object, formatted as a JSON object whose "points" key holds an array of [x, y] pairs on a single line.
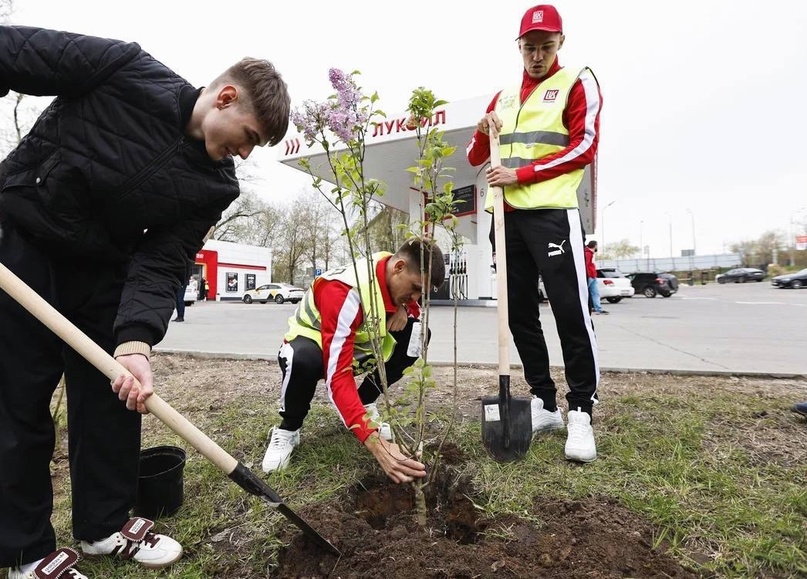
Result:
{"points": [[699, 335]]}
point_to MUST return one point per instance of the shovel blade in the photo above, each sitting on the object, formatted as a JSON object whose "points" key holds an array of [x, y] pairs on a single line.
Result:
{"points": [[250, 482], [506, 440]]}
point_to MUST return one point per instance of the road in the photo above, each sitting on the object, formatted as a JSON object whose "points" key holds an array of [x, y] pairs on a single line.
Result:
{"points": [[749, 328]]}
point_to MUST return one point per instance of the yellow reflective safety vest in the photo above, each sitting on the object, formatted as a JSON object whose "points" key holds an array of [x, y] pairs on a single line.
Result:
{"points": [[307, 321], [532, 130]]}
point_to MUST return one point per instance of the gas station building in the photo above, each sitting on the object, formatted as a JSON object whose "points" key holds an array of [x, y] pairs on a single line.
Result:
{"points": [[392, 148]]}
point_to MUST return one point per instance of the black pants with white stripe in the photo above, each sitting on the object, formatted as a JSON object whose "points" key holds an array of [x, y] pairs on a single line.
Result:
{"points": [[549, 243], [103, 436], [301, 363]]}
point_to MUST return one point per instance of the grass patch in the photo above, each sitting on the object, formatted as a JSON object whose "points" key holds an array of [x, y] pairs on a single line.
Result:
{"points": [[717, 466]]}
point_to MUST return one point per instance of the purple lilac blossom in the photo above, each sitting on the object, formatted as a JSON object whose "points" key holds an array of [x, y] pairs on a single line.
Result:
{"points": [[344, 117], [310, 119]]}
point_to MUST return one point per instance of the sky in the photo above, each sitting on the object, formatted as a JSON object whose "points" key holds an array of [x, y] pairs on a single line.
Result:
{"points": [[701, 140]]}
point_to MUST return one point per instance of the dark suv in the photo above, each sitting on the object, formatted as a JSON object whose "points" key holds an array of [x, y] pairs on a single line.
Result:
{"points": [[652, 284]]}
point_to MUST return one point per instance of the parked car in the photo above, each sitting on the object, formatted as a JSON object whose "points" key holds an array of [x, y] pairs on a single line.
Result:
{"points": [[275, 292], [613, 285], [740, 275], [541, 291], [191, 292], [672, 281], [792, 280], [651, 284]]}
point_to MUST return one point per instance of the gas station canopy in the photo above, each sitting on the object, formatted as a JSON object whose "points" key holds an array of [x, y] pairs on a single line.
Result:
{"points": [[391, 149]]}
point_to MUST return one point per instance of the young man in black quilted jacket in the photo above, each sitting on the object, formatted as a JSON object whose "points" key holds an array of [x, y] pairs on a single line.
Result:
{"points": [[103, 206]]}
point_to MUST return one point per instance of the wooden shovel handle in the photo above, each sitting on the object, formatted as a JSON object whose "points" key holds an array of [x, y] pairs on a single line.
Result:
{"points": [[501, 262], [110, 367]]}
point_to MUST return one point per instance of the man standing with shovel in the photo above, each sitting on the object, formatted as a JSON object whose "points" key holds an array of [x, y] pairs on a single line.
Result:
{"points": [[549, 129], [103, 206]]}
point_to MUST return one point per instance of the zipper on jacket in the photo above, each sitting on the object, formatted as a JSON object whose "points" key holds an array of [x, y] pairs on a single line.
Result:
{"points": [[151, 168]]}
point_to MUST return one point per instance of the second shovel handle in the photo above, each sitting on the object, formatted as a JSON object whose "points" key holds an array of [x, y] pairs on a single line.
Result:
{"points": [[501, 263]]}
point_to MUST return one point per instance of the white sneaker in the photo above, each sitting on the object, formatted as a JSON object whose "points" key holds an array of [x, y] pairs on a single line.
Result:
{"points": [[281, 445], [544, 420], [580, 445], [384, 428], [60, 563], [137, 541]]}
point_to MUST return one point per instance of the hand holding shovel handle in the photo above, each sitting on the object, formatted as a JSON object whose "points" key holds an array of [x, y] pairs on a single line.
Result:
{"points": [[111, 368]]}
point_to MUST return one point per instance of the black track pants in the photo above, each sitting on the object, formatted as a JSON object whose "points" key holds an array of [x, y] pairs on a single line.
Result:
{"points": [[103, 437], [549, 243], [301, 363]]}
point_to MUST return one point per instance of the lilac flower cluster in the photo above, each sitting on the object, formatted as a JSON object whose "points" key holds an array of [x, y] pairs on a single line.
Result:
{"points": [[310, 120], [342, 114], [345, 116]]}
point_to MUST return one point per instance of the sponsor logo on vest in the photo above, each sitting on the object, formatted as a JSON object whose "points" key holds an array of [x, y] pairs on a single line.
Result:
{"points": [[551, 95], [537, 16], [558, 249]]}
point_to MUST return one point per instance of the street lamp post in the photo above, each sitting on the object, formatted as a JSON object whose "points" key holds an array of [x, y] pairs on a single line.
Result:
{"points": [[692, 256], [669, 217], [692, 216], [602, 223], [641, 244]]}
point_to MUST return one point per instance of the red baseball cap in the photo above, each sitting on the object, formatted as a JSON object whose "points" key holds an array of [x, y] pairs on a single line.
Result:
{"points": [[541, 17]]}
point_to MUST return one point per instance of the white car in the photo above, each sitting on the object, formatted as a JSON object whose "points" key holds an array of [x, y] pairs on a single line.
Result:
{"points": [[191, 292], [613, 285], [274, 292]]}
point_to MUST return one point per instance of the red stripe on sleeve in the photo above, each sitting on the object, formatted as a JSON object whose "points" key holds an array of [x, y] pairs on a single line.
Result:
{"points": [[341, 315]]}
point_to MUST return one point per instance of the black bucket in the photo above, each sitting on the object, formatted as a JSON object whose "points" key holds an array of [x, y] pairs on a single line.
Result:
{"points": [[160, 491]]}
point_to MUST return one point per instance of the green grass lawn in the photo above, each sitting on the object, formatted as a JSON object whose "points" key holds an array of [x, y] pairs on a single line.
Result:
{"points": [[717, 465]]}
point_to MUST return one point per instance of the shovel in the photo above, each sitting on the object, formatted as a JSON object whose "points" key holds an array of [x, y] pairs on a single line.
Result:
{"points": [[506, 421], [111, 368]]}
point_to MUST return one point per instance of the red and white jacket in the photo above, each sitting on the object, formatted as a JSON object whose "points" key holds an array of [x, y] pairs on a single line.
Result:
{"points": [[584, 93], [341, 315]]}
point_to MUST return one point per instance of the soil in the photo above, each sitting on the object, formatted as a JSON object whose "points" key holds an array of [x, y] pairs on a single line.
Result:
{"points": [[592, 538], [372, 525]]}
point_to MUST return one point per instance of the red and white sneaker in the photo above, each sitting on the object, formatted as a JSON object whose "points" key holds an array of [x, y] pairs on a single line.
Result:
{"points": [[59, 564], [137, 541]]}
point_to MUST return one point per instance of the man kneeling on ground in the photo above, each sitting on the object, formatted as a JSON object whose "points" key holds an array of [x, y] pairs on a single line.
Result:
{"points": [[328, 339]]}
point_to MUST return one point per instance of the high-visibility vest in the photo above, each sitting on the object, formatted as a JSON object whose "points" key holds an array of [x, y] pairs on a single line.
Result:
{"points": [[307, 321], [533, 130]]}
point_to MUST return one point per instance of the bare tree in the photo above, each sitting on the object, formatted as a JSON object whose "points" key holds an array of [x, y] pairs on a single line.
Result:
{"points": [[248, 219], [619, 250], [747, 251], [761, 251], [295, 239], [6, 9], [237, 224], [388, 228], [22, 117]]}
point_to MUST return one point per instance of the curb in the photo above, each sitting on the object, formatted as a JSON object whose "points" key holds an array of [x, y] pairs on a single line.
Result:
{"points": [[670, 371]]}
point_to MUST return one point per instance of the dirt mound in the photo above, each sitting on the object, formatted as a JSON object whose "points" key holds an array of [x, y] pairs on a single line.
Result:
{"points": [[374, 528]]}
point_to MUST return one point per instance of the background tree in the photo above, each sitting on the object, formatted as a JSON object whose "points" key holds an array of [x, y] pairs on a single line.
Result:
{"points": [[18, 111], [387, 228], [6, 9], [619, 250], [760, 252]]}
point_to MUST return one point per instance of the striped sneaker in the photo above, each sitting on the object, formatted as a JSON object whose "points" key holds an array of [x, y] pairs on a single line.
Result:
{"points": [[59, 564], [137, 541]]}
